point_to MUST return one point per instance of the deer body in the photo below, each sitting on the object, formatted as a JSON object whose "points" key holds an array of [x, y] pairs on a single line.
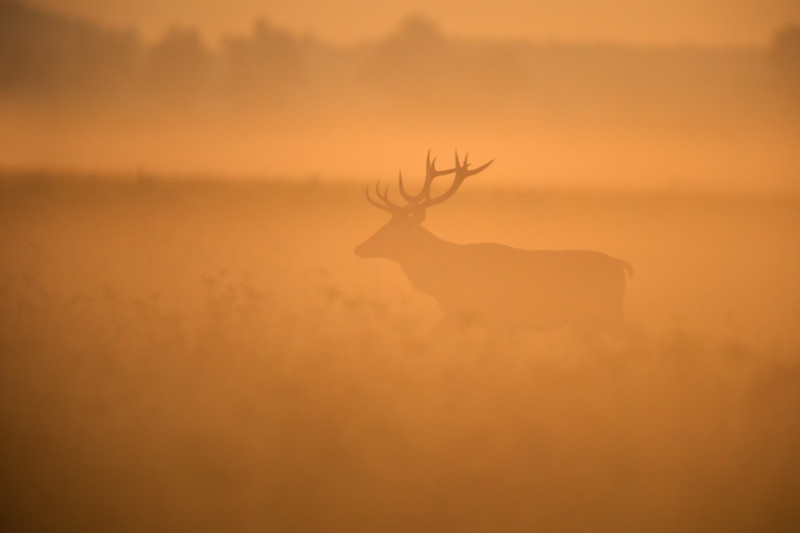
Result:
{"points": [[499, 286], [494, 285]]}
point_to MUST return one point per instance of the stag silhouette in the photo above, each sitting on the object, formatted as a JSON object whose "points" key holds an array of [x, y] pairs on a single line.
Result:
{"points": [[491, 284]]}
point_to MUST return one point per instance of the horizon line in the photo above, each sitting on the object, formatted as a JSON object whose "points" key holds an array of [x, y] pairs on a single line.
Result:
{"points": [[214, 39]]}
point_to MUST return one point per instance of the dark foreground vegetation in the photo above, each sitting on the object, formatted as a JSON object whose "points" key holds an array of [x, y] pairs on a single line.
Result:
{"points": [[196, 356]]}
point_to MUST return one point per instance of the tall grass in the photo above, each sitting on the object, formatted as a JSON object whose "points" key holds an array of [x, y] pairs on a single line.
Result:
{"points": [[206, 357]]}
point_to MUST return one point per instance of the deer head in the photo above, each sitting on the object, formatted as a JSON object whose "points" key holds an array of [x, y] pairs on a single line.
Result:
{"points": [[403, 234]]}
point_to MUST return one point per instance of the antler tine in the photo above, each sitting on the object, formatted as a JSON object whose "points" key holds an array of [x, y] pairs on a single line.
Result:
{"points": [[376, 204], [479, 169], [423, 199], [430, 174], [434, 173], [384, 197], [462, 173], [408, 198], [387, 204], [465, 165]]}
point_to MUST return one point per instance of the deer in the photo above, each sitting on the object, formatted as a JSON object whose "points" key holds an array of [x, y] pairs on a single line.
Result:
{"points": [[494, 285]]}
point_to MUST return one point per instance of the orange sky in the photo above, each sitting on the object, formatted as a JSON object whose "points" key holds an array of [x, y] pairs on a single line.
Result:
{"points": [[636, 21]]}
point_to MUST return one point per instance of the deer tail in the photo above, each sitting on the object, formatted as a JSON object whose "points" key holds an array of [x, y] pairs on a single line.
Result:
{"points": [[627, 266]]}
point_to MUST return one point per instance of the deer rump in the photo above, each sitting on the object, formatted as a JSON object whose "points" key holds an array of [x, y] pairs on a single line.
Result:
{"points": [[494, 285]]}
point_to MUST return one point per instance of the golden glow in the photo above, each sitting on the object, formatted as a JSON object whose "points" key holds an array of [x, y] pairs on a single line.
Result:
{"points": [[188, 341], [627, 21], [274, 98]]}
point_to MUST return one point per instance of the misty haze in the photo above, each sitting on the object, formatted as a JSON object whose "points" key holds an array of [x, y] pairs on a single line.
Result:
{"points": [[591, 324]]}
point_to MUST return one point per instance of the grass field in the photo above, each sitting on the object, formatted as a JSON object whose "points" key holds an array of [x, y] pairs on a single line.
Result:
{"points": [[206, 356]]}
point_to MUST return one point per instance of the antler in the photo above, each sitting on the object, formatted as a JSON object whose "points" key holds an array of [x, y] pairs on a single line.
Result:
{"points": [[430, 173], [462, 172], [423, 199], [387, 204]]}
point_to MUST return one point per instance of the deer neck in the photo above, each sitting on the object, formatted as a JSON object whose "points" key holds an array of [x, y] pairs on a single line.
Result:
{"points": [[425, 258]]}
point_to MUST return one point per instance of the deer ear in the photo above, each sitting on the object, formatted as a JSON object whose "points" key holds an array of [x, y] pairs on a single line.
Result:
{"points": [[417, 215]]}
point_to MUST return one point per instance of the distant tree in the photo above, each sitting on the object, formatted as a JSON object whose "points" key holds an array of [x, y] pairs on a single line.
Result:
{"points": [[418, 67], [417, 32], [784, 55], [178, 65], [417, 46], [264, 68], [413, 63], [46, 55]]}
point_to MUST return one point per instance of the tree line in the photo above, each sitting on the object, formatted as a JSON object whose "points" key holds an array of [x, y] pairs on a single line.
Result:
{"points": [[49, 58]]}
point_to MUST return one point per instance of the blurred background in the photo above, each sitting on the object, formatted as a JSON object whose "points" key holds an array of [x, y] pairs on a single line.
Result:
{"points": [[620, 95], [189, 343]]}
